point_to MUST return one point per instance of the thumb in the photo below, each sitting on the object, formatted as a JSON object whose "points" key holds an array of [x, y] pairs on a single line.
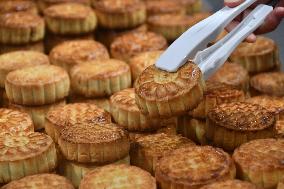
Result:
{"points": [[233, 3]]}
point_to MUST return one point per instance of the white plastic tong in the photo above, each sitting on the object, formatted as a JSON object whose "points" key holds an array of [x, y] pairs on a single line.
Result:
{"points": [[192, 44]]}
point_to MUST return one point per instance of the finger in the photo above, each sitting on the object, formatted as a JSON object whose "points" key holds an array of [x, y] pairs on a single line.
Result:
{"points": [[279, 11], [251, 38], [272, 21], [232, 25], [233, 3]]}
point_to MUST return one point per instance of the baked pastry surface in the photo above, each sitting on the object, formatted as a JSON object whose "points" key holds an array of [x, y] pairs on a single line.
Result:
{"points": [[172, 26], [169, 128], [130, 44], [72, 114], [191, 6], [92, 143], [260, 162], [13, 121], [256, 57], [43, 4], [271, 83], [216, 93], [10, 6], [232, 74], [26, 154], [18, 60], [107, 36], [100, 78], [40, 181], [126, 113], [141, 61], [52, 40], [119, 177], [147, 150], [75, 172], [70, 18], [74, 52], [274, 104], [164, 7], [164, 94], [229, 184], [231, 124], [103, 103], [21, 28], [120, 14], [37, 85], [37, 113], [194, 167]]}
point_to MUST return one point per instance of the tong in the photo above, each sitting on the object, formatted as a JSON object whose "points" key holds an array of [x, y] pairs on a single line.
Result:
{"points": [[192, 44]]}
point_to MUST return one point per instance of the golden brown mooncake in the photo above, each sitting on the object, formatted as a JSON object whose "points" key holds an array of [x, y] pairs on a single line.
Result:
{"points": [[163, 94], [256, 57], [70, 53], [70, 19], [232, 74], [119, 177], [193, 167], [274, 104], [38, 85], [141, 61], [37, 46], [18, 60], [147, 150], [130, 44], [192, 128], [43, 4], [92, 143], [215, 94], [37, 113], [231, 184], [126, 113], [120, 14], [52, 40], [231, 124], [107, 36], [164, 7], [271, 83], [13, 121], [72, 114], [280, 184], [172, 26], [21, 28], [40, 181], [261, 162], [170, 128], [10, 6], [191, 6], [75, 172], [279, 129], [100, 78], [103, 103], [26, 154]]}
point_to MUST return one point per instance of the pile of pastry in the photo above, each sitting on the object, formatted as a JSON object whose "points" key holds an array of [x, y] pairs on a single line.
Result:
{"points": [[83, 106]]}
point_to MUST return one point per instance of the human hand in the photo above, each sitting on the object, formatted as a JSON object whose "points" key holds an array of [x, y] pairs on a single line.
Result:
{"points": [[271, 22]]}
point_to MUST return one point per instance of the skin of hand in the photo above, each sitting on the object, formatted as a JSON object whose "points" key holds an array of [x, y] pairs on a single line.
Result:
{"points": [[271, 22]]}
